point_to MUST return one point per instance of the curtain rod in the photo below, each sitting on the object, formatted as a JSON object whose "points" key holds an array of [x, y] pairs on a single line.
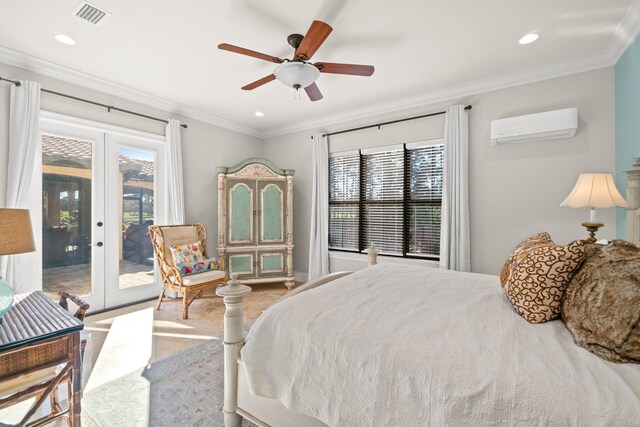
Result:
{"points": [[108, 107], [439, 113]]}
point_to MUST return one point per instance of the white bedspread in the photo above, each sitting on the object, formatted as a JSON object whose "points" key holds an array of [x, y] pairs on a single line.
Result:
{"points": [[413, 346]]}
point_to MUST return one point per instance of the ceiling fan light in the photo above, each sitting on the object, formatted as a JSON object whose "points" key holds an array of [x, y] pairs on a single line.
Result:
{"points": [[296, 73]]}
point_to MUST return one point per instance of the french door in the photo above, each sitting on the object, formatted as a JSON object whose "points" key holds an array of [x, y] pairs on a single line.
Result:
{"points": [[100, 190]]}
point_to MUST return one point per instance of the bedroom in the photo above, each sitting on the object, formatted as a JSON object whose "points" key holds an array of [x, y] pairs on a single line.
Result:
{"points": [[585, 58]]}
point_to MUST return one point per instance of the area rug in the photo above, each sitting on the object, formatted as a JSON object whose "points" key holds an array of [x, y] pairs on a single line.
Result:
{"points": [[182, 390]]}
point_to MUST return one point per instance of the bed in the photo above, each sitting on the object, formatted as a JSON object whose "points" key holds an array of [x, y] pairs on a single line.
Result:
{"points": [[427, 347]]}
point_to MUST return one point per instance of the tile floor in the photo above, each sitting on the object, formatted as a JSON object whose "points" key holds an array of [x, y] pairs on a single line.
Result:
{"points": [[124, 340]]}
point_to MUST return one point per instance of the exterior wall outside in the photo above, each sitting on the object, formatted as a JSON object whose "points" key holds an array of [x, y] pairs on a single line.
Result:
{"points": [[515, 189], [627, 121]]}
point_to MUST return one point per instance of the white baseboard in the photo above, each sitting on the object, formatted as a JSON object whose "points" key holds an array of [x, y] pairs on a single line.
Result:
{"points": [[301, 276]]}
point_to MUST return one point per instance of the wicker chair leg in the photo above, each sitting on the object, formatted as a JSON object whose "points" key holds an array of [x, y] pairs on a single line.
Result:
{"points": [[185, 304], [54, 400], [160, 299]]}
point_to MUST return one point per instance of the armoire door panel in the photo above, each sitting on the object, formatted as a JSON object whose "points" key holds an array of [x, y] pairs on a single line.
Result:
{"points": [[243, 263], [271, 263], [241, 212], [271, 212]]}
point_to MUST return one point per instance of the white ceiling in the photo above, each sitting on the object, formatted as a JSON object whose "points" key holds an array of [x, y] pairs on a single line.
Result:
{"points": [[168, 48]]}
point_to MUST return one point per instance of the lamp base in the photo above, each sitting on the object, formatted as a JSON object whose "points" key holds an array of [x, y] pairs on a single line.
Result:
{"points": [[592, 228], [6, 298]]}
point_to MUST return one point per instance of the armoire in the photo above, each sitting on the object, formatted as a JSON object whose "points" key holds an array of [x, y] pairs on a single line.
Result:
{"points": [[255, 221]]}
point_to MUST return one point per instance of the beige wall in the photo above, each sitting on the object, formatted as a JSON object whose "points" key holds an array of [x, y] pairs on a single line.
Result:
{"points": [[515, 189], [204, 146]]}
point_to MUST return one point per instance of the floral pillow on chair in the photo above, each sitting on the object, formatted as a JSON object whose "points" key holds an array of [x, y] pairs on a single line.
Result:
{"points": [[188, 253]]}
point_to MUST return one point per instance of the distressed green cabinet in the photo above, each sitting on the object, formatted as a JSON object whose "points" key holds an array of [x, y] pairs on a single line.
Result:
{"points": [[255, 221]]}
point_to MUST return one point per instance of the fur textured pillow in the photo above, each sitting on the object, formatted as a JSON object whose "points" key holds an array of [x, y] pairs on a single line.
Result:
{"points": [[602, 303], [539, 278], [521, 250]]}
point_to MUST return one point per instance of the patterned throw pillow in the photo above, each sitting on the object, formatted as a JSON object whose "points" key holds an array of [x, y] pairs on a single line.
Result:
{"points": [[191, 252], [189, 268], [539, 278], [521, 250]]}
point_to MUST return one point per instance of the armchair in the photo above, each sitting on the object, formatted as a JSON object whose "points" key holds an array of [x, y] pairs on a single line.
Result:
{"points": [[193, 286]]}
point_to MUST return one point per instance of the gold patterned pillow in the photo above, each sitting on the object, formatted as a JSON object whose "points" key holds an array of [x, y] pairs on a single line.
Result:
{"points": [[539, 278], [521, 250]]}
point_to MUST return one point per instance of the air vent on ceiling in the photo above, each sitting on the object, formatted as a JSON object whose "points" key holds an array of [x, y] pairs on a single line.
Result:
{"points": [[90, 13]]}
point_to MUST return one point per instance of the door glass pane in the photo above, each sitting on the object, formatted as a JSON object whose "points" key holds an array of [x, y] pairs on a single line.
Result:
{"points": [[66, 215], [136, 175]]}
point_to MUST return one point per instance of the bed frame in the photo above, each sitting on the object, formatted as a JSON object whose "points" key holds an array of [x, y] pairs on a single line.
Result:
{"points": [[238, 400]]}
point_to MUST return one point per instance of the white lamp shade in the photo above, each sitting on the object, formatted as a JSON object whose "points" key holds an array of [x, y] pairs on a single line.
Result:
{"points": [[596, 190], [296, 73]]}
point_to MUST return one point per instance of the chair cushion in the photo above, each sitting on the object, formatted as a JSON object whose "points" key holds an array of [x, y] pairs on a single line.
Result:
{"points": [[198, 279], [188, 253], [178, 236], [189, 268]]}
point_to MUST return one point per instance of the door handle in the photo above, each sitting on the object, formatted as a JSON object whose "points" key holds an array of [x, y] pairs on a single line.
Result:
{"points": [[99, 244]]}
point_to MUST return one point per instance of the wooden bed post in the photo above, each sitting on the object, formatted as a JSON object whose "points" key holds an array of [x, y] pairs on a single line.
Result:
{"points": [[233, 295]]}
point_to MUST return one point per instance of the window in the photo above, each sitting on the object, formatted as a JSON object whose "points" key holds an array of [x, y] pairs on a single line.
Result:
{"points": [[390, 196]]}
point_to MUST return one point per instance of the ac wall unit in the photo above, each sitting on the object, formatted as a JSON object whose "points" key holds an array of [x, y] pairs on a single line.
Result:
{"points": [[556, 124]]}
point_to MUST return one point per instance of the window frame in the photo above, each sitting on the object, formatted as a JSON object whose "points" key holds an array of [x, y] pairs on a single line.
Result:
{"points": [[407, 202]]}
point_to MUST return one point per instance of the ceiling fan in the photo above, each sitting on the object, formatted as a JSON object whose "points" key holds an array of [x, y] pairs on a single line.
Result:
{"points": [[298, 72]]}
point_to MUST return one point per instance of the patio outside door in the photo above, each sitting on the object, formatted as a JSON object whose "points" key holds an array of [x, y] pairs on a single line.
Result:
{"points": [[100, 191]]}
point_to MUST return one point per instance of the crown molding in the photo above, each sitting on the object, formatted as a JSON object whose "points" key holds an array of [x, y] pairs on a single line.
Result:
{"points": [[625, 34], [49, 69], [532, 75]]}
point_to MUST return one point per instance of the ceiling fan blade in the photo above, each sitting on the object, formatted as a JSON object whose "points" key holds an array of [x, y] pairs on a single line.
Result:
{"points": [[313, 92], [316, 35], [260, 82], [351, 69], [253, 53]]}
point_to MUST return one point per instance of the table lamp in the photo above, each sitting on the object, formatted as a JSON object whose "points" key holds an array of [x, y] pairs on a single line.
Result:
{"points": [[16, 237], [596, 190]]}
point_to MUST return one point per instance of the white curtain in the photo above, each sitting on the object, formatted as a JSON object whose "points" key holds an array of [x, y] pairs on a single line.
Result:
{"points": [[455, 243], [319, 234], [174, 188], [24, 117]]}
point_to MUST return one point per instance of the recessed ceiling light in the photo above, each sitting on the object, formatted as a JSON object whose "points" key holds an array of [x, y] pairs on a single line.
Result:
{"points": [[258, 114], [529, 38], [65, 39]]}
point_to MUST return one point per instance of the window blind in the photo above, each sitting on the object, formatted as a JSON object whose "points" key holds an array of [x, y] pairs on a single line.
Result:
{"points": [[344, 201], [424, 201], [391, 197], [383, 205]]}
